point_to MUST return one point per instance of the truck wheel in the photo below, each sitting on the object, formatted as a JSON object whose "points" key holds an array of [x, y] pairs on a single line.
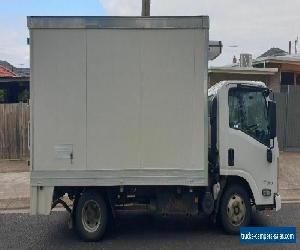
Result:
{"points": [[235, 210], [91, 216]]}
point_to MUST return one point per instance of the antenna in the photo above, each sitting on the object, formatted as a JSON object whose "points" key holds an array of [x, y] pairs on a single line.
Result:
{"points": [[145, 7]]}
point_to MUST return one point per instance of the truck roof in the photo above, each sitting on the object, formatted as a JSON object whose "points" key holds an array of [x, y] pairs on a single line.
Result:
{"points": [[215, 88], [117, 22]]}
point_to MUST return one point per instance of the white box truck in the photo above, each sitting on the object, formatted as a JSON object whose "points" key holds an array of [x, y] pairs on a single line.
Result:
{"points": [[121, 115]]}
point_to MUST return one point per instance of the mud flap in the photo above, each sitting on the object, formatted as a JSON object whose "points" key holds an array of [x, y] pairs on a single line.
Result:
{"points": [[277, 202], [40, 200]]}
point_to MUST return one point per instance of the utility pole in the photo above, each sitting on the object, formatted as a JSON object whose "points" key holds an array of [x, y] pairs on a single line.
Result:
{"points": [[146, 8]]}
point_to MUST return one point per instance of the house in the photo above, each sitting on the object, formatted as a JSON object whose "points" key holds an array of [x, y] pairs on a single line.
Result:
{"points": [[217, 74], [288, 66], [242, 70], [14, 83], [277, 68]]}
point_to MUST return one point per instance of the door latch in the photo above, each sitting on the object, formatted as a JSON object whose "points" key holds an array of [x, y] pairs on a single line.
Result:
{"points": [[71, 157]]}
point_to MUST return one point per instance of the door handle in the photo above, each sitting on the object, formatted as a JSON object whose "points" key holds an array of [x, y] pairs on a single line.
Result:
{"points": [[231, 157]]}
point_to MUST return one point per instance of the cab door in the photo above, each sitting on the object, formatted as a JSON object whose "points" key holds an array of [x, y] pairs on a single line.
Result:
{"points": [[244, 139]]}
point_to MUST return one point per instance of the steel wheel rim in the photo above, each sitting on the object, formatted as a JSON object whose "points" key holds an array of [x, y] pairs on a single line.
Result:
{"points": [[91, 216], [236, 210]]}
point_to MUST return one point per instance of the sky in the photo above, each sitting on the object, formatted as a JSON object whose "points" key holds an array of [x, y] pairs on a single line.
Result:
{"points": [[243, 26]]}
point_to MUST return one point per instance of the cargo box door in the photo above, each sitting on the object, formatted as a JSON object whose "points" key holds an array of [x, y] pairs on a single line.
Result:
{"points": [[58, 90], [113, 99]]}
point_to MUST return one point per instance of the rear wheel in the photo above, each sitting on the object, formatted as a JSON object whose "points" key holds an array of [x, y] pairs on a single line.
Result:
{"points": [[235, 209], [91, 216]]}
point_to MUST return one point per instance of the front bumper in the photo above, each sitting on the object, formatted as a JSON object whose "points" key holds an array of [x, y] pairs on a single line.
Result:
{"points": [[277, 200], [276, 204]]}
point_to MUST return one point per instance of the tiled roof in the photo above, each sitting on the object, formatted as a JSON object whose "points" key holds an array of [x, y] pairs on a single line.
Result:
{"points": [[16, 71], [274, 52], [4, 72]]}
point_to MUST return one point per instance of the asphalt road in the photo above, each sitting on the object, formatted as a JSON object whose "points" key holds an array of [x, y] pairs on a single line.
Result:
{"points": [[138, 231]]}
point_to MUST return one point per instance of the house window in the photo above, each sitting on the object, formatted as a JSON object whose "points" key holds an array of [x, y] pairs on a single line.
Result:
{"points": [[2, 95], [287, 78], [298, 79]]}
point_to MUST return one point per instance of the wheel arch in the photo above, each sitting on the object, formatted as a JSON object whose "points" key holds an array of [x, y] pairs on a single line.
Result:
{"points": [[244, 178], [238, 180]]}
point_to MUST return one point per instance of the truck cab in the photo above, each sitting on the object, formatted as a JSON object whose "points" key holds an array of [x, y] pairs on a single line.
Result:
{"points": [[244, 143]]}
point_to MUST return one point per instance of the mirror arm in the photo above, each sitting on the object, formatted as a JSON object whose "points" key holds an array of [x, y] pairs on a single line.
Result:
{"points": [[271, 147]]}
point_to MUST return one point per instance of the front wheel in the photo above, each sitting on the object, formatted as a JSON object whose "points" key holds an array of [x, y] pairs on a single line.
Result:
{"points": [[91, 216], [235, 209]]}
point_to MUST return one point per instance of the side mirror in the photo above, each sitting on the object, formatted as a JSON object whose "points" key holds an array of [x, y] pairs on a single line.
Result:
{"points": [[272, 118]]}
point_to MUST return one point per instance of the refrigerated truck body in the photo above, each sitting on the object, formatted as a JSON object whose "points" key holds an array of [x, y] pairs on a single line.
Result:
{"points": [[121, 115]]}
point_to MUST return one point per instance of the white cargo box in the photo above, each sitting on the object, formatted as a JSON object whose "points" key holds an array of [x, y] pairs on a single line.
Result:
{"points": [[118, 101]]}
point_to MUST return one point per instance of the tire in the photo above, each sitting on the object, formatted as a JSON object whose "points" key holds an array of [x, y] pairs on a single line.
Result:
{"points": [[91, 216], [235, 209]]}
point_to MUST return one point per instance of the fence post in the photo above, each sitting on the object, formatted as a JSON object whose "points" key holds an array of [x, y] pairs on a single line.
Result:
{"points": [[286, 117]]}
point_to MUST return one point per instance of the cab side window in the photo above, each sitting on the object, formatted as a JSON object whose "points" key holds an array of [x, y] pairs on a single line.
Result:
{"points": [[248, 113]]}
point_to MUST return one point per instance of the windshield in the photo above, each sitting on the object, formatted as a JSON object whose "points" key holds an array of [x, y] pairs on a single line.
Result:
{"points": [[248, 112]]}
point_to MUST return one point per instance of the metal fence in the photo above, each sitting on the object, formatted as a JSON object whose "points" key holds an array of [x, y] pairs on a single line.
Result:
{"points": [[288, 118], [14, 131]]}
